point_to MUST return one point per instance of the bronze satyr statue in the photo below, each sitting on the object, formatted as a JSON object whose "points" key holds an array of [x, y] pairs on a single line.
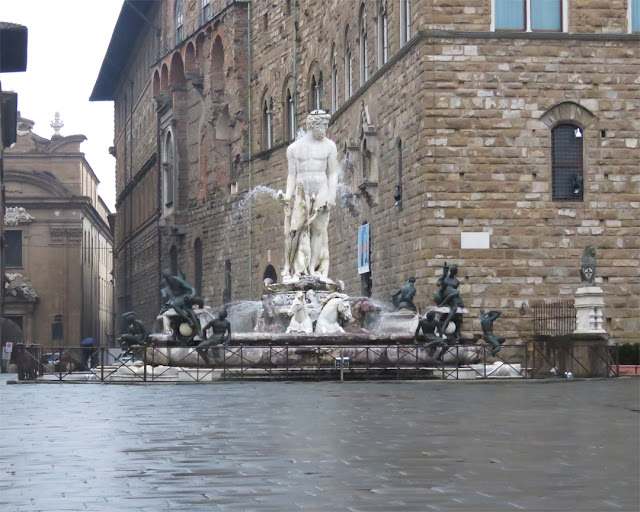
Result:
{"points": [[137, 334], [180, 296], [588, 266], [403, 298], [486, 321], [221, 335], [448, 295], [428, 325]]}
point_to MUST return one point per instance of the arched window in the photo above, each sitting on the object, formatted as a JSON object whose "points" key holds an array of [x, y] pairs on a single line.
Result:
{"points": [[217, 69], [364, 59], [178, 21], [267, 122], [226, 293], [365, 161], [290, 113], [168, 169], [334, 79], [173, 260], [348, 74], [270, 273], [405, 21], [383, 35], [397, 195], [315, 93], [567, 162], [205, 11], [197, 266]]}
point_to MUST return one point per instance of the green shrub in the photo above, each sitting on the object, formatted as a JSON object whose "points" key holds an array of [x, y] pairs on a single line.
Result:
{"points": [[630, 353]]}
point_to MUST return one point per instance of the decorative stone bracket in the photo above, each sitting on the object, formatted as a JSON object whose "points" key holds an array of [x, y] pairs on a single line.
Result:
{"points": [[15, 215]]}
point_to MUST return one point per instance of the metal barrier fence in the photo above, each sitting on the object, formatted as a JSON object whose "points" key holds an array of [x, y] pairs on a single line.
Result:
{"points": [[554, 317], [292, 362]]}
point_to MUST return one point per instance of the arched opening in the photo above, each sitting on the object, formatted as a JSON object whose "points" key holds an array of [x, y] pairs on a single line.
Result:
{"points": [[364, 58], [164, 79], [190, 64], [315, 91], [348, 73], [176, 73], [197, 266], [365, 160], [383, 34], [405, 21], [567, 167], [334, 79], [168, 169], [223, 130], [155, 88], [226, 294], [267, 122], [397, 196], [270, 273], [178, 22], [289, 112], [173, 260], [217, 67], [200, 40]]}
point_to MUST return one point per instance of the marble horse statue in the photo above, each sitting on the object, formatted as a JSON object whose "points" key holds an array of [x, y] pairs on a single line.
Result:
{"points": [[300, 319], [335, 308]]}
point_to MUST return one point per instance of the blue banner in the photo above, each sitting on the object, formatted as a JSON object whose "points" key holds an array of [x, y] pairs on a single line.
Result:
{"points": [[363, 249]]}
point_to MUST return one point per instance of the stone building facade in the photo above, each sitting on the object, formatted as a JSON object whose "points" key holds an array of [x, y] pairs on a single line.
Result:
{"points": [[468, 132], [58, 243]]}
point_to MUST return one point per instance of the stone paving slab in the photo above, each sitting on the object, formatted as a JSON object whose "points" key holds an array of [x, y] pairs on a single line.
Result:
{"points": [[325, 446]]}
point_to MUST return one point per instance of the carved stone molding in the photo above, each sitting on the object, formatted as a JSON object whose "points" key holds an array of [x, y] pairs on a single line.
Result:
{"points": [[15, 215]]}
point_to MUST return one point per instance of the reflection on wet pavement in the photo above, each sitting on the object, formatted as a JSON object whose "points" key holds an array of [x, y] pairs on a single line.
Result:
{"points": [[375, 446]]}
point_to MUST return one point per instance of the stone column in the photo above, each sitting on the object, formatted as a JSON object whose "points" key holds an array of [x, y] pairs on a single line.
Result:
{"points": [[589, 302]]}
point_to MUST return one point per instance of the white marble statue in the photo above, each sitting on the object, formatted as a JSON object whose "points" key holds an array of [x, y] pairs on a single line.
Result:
{"points": [[335, 307], [300, 321], [311, 193]]}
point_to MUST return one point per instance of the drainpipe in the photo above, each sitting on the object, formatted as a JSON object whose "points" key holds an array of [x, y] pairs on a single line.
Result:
{"points": [[295, 65], [250, 154]]}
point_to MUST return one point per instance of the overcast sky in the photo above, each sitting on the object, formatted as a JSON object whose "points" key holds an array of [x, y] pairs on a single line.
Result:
{"points": [[67, 43]]}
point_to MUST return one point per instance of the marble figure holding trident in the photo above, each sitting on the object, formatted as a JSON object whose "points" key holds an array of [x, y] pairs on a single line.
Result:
{"points": [[311, 193]]}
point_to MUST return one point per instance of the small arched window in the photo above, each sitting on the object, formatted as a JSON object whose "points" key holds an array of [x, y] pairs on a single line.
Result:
{"points": [[197, 266], [405, 21], [397, 195], [290, 117], [567, 169], [348, 73], [364, 59], [270, 273], [267, 123], [178, 21], [173, 260], [334, 79], [383, 35], [315, 94], [168, 169]]}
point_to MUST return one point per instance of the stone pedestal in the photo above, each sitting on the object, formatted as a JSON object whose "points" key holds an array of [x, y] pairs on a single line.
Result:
{"points": [[589, 303], [404, 320]]}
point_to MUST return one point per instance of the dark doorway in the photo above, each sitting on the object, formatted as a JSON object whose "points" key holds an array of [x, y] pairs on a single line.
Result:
{"points": [[270, 273]]}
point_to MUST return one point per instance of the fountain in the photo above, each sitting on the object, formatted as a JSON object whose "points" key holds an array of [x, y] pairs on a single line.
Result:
{"points": [[307, 320]]}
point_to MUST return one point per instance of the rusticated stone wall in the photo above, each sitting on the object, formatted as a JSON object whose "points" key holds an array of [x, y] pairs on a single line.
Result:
{"points": [[473, 111]]}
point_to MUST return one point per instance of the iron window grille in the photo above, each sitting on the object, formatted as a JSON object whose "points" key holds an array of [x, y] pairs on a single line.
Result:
{"points": [[567, 163]]}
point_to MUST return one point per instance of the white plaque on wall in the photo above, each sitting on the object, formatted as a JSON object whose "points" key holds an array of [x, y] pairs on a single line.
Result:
{"points": [[478, 240]]}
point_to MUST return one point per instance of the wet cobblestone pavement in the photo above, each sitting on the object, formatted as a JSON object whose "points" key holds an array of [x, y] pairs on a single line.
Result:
{"points": [[376, 446]]}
